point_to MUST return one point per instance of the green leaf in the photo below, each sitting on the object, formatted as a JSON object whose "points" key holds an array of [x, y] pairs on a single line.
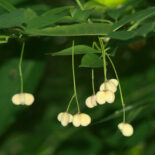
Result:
{"points": [[122, 35], [81, 15], [79, 49], [141, 31], [91, 60], [48, 18], [45, 20], [29, 15], [145, 29], [118, 12], [39, 7], [12, 19], [57, 10], [73, 30], [6, 5], [137, 17], [65, 9]]}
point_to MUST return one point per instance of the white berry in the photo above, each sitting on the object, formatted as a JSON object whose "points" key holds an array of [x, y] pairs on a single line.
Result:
{"points": [[101, 97], [108, 86], [114, 81], [23, 99], [110, 97], [65, 118], [81, 119], [91, 101], [76, 120], [85, 119], [105, 96], [126, 129]]}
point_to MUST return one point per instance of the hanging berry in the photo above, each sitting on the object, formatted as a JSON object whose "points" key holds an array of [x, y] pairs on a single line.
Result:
{"points": [[22, 98], [65, 118], [91, 101], [81, 119], [126, 129]]}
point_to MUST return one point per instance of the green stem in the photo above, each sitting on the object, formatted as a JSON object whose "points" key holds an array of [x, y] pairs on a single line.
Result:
{"points": [[95, 45], [104, 58], [92, 71], [69, 104], [133, 26], [79, 4], [20, 67], [73, 70], [93, 85], [120, 89]]}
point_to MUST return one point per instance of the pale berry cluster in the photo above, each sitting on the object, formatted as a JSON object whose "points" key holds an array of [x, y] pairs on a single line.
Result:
{"points": [[105, 94], [23, 99], [79, 119], [126, 129]]}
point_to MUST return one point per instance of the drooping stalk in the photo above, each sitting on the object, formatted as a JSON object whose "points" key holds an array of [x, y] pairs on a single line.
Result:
{"points": [[104, 58], [20, 67], [120, 89], [73, 70], [92, 77], [69, 104], [95, 45]]}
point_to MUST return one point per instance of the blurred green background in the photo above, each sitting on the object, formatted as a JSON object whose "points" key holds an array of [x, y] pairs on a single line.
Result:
{"points": [[35, 130]]}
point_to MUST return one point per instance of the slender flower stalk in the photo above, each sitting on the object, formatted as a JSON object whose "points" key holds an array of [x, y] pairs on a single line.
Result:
{"points": [[120, 89], [69, 104], [93, 85], [73, 70], [20, 67], [104, 58]]}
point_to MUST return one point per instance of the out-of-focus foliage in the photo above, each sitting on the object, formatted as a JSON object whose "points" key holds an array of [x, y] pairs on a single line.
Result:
{"points": [[112, 3], [49, 28]]}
